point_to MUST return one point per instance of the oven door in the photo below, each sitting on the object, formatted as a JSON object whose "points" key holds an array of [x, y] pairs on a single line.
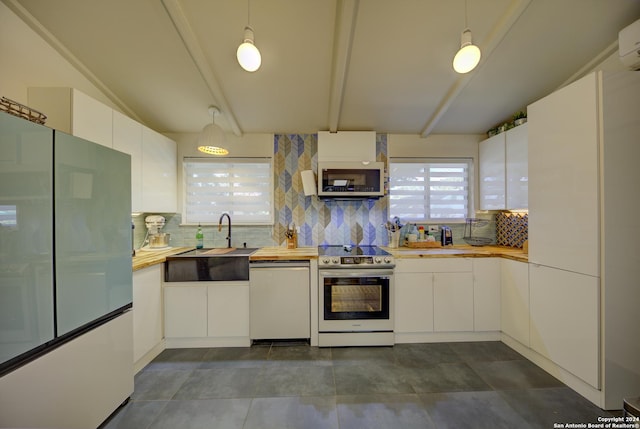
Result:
{"points": [[356, 300]]}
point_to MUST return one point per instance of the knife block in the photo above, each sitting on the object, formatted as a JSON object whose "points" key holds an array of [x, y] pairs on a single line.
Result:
{"points": [[292, 242]]}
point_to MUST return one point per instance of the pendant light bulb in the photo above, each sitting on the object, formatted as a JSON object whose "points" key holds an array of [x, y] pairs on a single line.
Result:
{"points": [[468, 56], [248, 54]]}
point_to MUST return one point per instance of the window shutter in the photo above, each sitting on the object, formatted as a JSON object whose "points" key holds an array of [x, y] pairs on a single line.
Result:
{"points": [[429, 190], [242, 188]]}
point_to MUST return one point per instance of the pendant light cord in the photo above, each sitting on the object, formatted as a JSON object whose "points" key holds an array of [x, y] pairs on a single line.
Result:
{"points": [[249, 13], [466, 25]]}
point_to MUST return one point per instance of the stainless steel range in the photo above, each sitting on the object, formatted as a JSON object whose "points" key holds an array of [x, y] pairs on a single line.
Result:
{"points": [[356, 296]]}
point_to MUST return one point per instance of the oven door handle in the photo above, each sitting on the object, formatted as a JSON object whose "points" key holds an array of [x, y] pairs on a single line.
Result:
{"points": [[355, 273]]}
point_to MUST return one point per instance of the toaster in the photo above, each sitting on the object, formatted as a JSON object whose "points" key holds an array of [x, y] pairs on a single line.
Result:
{"points": [[446, 237]]}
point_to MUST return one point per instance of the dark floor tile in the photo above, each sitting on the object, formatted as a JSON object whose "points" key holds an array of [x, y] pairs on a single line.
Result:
{"points": [[382, 411], [515, 374], [203, 414], [293, 413], [299, 355], [159, 384], [485, 351], [544, 407], [362, 355], [178, 359], [219, 383], [424, 355], [446, 377], [238, 357], [135, 415], [296, 381], [476, 410], [368, 379]]}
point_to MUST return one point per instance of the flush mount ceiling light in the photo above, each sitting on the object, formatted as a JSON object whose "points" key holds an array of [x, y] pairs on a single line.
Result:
{"points": [[212, 139], [469, 54], [248, 54]]}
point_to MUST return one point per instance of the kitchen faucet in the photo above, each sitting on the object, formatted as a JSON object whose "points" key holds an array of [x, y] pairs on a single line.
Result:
{"points": [[228, 231]]}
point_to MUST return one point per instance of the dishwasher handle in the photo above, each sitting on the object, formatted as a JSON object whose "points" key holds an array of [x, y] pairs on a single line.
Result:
{"points": [[278, 264]]}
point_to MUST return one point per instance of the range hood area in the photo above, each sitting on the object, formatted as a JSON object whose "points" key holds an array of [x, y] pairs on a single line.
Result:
{"points": [[347, 167]]}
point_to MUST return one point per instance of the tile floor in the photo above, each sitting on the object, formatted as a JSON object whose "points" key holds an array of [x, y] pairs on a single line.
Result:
{"points": [[441, 385]]}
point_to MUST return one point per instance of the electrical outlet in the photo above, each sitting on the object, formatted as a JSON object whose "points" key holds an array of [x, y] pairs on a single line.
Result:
{"points": [[433, 228]]}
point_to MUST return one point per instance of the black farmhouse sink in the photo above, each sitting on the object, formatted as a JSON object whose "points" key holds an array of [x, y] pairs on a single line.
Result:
{"points": [[216, 264]]}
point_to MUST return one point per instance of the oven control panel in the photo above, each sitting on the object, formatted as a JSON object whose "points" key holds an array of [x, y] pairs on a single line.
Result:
{"points": [[346, 261]]}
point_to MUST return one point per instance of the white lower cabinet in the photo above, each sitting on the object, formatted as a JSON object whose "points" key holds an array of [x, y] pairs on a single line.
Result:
{"points": [[185, 311], [565, 320], [486, 294], [206, 314], [435, 299], [414, 302], [147, 315], [228, 309], [453, 302], [514, 303]]}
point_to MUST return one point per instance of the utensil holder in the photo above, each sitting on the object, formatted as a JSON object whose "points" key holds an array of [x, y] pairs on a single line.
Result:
{"points": [[394, 239]]}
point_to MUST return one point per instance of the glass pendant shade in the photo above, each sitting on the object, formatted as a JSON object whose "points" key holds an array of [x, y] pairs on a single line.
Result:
{"points": [[212, 139], [468, 56], [248, 55]]}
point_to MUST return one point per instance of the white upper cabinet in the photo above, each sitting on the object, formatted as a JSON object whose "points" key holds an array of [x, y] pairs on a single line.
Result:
{"points": [[127, 138], [517, 168], [504, 170], [153, 156], [74, 112], [563, 185], [492, 173], [159, 175]]}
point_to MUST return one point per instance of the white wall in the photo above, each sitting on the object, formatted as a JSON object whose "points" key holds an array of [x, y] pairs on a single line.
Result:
{"points": [[27, 60]]}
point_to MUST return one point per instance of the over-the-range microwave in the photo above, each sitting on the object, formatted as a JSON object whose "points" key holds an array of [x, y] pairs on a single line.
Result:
{"points": [[338, 179]]}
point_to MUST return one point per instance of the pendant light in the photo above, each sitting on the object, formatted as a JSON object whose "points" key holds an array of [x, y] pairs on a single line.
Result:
{"points": [[248, 54], [469, 54], [212, 139]]}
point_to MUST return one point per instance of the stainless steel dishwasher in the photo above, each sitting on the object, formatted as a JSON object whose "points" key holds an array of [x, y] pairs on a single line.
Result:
{"points": [[279, 300]]}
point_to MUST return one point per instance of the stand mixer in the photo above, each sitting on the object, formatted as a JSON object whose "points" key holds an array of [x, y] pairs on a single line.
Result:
{"points": [[155, 239]]}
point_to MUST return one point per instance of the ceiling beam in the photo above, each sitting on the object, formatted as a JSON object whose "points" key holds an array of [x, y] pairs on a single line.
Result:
{"points": [[499, 32], [180, 21], [49, 38], [344, 29]]}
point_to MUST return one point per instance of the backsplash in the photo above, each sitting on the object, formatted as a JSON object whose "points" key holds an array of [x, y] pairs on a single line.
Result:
{"points": [[512, 229], [321, 221]]}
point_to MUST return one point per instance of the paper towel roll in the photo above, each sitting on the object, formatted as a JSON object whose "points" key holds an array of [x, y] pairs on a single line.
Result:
{"points": [[308, 182]]}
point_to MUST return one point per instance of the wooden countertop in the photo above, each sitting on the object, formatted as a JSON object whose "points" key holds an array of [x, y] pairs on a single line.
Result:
{"points": [[147, 258], [459, 251], [277, 253]]}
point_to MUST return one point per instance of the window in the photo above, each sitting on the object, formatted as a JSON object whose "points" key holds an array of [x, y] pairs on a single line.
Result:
{"points": [[241, 187], [427, 190], [8, 215]]}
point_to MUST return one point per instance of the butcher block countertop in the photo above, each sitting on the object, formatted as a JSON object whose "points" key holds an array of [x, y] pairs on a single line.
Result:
{"points": [[459, 251], [281, 253], [147, 258]]}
